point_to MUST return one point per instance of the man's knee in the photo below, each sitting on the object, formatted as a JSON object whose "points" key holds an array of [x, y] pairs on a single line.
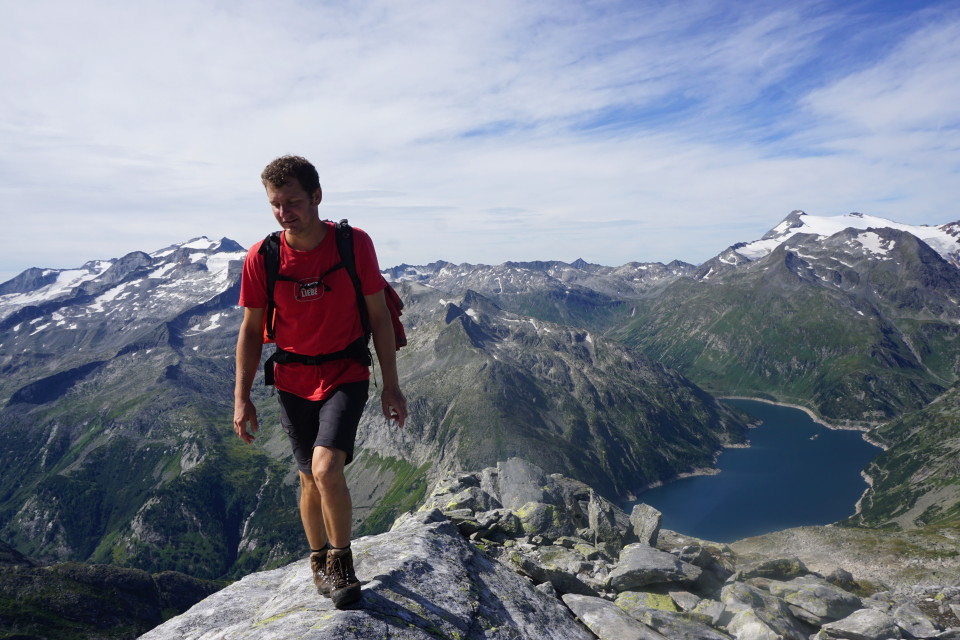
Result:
{"points": [[328, 468], [307, 483], [327, 480]]}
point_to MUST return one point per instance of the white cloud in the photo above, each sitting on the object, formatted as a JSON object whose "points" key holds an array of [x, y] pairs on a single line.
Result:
{"points": [[473, 132], [915, 87]]}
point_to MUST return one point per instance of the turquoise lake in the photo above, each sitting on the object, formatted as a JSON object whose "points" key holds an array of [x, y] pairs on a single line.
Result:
{"points": [[796, 472]]}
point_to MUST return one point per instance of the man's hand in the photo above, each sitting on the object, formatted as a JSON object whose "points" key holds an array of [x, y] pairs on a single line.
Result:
{"points": [[394, 405], [249, 350], [245, 413], [391, 399]]}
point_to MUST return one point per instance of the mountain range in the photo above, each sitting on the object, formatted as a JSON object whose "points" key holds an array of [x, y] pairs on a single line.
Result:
{"points": [[115, 443]]}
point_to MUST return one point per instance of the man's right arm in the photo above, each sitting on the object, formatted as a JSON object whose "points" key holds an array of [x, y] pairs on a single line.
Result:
{"points": [[249, 351]]}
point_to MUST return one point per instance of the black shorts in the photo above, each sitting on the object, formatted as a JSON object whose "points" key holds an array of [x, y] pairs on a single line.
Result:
{"points": [[323, 423]]}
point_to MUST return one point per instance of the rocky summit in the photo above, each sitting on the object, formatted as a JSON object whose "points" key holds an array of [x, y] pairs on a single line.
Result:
{"points": [[421, 580], [511, 552]]}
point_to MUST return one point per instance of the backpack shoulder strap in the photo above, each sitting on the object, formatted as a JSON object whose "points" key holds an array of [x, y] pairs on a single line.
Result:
{"points": [[270, 250], [345, 247]]}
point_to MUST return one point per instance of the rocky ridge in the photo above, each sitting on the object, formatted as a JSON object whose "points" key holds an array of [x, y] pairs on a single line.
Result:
{"points": [[511, 552]]}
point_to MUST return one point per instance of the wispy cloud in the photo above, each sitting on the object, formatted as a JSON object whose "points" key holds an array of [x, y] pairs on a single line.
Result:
{"points": [[477, 132]]}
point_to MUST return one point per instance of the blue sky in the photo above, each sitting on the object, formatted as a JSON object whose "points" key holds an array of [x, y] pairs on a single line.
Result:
{"points": [[473, 132]]}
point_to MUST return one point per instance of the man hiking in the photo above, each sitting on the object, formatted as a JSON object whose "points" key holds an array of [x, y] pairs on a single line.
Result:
{"points": [[316, 313]]}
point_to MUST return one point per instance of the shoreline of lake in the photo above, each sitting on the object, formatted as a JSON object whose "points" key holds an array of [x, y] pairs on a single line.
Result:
{"points": [[700, 504], [864, 428]]}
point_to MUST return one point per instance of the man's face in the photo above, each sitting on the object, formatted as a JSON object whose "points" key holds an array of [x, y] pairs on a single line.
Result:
{"points": [[294, 209]]}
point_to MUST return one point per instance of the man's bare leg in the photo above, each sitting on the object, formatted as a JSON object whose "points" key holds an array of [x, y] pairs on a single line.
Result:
{"points": [[334, 494], [330, 481], [311, 515], [311, 512]]}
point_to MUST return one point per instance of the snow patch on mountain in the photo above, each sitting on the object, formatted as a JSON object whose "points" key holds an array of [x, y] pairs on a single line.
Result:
{"points": [[873, 243], [202, 244], [66, 281]]}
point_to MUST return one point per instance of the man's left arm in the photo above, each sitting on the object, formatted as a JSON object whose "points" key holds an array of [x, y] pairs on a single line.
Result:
{"points": [[391, 399]]}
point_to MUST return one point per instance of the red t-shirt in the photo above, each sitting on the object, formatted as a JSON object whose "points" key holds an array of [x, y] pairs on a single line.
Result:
{"points": [[314, 319]]}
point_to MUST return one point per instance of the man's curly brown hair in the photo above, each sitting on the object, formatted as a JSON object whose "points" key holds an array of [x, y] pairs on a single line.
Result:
{"points": [[280, 171]]}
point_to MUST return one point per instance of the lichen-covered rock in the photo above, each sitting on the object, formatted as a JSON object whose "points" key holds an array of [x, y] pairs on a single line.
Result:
{"points": [[641, 565], [473, 498], [424, 580], [773, 612], [866, 624], [547, 520], [785, 568], [842, 578], [607, 521], [748, 625], [645, 600], [518, 482], [676, 626], [561, 567], [684, 599], [608, 621], [713, 611], [507, 524], [824, 601], [955, 608], [915, 622]]}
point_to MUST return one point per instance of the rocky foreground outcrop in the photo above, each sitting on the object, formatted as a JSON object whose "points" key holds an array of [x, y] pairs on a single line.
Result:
{"points": [[511, 552]]}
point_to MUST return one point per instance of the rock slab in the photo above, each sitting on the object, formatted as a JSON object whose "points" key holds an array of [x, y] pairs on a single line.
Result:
{"points": [[421, 580]]}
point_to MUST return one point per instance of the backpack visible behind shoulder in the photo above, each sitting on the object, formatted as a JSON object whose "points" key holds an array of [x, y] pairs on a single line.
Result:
{"points": [[270, 250]]}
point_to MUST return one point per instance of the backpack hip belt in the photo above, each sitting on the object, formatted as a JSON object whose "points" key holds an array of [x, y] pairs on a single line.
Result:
{"points": [[357, 350]]}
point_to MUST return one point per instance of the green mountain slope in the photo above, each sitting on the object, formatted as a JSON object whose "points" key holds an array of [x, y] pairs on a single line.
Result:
{"points": [[859, 338], [916, 481], [136, 465]]}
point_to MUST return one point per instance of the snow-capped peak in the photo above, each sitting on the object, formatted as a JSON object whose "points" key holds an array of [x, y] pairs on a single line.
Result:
{"points": [[190, 271], [203, 244], [939, 238]]}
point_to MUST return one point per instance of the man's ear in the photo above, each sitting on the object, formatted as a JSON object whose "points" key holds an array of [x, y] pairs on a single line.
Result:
{"points": [[317, 196]]}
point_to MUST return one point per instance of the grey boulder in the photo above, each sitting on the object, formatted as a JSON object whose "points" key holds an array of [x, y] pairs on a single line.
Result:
{"points": [[816, 600], [866, 624], [646, 523], [641, 565], [608, 621]]}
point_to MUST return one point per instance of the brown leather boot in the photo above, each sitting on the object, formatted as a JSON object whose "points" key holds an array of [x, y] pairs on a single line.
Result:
{"points": [[346, 587], [318, 566]]}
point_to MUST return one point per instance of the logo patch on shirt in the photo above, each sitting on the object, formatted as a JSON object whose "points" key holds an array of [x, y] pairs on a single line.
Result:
{"points": [[310, 289]]}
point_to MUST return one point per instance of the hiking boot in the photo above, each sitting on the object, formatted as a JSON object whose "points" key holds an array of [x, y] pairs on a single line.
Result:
{"points": [[318, 566], [346, 587]]}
